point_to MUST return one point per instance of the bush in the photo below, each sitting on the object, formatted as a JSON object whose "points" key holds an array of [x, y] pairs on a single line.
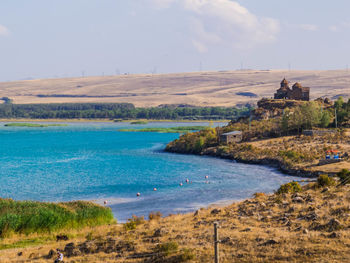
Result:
{"points": [[324, 180], [134, 222], [187, 254], [259, 195], [167, 248], [344, 176], [292, 187], [292, 155], [155, 215]]}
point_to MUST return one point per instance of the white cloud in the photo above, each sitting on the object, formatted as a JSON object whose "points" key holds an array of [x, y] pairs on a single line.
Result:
{"points": [[224, 22], [4, 31], [309, 27], [334, 28]]}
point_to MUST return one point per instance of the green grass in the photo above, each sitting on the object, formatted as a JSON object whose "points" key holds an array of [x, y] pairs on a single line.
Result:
{"points": [[32, 125], [26, 217], [139, 122], [183, 129], [26, 243]]}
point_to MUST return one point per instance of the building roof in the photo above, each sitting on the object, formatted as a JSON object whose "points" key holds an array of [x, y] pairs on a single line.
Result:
{"points": [[332, 151], [284, 81], [297, 85], [232, 133]]}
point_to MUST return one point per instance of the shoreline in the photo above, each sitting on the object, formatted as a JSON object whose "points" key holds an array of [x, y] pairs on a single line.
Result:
{"points": [[109, 120], [268, 162]]}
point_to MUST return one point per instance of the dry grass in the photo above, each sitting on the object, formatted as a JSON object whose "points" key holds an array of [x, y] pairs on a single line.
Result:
{"points": [[199, 88], [267, 228], [313, 148]]}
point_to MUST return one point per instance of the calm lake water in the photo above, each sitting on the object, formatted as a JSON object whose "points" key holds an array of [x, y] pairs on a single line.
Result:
{"points": [[93, 161]]}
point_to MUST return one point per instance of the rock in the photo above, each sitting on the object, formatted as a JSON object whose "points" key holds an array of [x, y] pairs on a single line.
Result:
{"points": [[51, 254], [283, 219], [61, 237], [333, 225], [326, 189], [227, 241], [108, 246], [126, 245], [70, 250], [20, 253], [215, 211], [298, 199], [160, 232], [305, 231], [88, 247], [291, 209], [309, 217], [334, 235], [270, 242], [33, 255]]}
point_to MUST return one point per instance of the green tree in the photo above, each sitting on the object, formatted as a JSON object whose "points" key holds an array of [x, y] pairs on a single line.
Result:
{"points": [[338, 104], [325, 119]]}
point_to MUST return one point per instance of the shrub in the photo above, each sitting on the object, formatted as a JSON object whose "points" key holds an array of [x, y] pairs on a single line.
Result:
{"points": [[292, 187], [167, 248], [134, 222], [344, 176], [187, 254], [324, 180], [89, 236], [155, 215], [292, 155], [259, 195]]}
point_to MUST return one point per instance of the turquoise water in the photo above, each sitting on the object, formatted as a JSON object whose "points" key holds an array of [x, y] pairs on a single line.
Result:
{"points": [[93, 161]]}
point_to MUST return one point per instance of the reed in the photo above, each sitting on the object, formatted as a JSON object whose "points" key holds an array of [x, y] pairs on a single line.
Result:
{"points": [[32, 125], [25, 217], [183, 129]]}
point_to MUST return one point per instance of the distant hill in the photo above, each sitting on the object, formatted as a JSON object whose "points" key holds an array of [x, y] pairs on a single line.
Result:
{"points": [[224, 88]]}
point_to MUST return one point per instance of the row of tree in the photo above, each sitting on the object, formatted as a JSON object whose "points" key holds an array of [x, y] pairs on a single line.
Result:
{"points": [[314, 114], [116, 111]]}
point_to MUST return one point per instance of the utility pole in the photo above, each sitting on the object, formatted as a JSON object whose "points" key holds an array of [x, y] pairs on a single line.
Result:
{"points": [[335, 114], [216, 242]]}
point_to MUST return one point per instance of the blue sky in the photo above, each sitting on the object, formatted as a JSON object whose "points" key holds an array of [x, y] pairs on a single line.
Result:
{"points": [[63, 38]]}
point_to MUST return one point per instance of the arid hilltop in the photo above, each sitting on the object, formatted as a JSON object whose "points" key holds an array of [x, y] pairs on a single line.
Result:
{"points": [[224, 88]]}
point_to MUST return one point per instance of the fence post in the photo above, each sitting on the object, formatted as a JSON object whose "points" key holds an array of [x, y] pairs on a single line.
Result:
{"points": [[216, 242]]}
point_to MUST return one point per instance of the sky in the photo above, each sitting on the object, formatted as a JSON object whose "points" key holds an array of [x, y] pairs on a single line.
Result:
{"points": [[72, 38]]}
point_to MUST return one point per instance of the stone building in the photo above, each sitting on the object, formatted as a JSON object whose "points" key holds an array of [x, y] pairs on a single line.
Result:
{"points": [[297, 92], [231, 137]]}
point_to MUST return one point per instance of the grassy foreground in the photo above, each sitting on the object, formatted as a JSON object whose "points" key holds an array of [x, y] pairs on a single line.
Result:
{"points": [[32, 125], [25, 217], [183, 129], [296, 224]]}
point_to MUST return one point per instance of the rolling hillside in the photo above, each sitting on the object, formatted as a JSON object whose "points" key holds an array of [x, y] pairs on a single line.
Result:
{"points": [[224, 88]]}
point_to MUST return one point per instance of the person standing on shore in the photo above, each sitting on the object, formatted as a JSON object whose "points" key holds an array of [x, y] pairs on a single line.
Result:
{"points": [[59, 257]]}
